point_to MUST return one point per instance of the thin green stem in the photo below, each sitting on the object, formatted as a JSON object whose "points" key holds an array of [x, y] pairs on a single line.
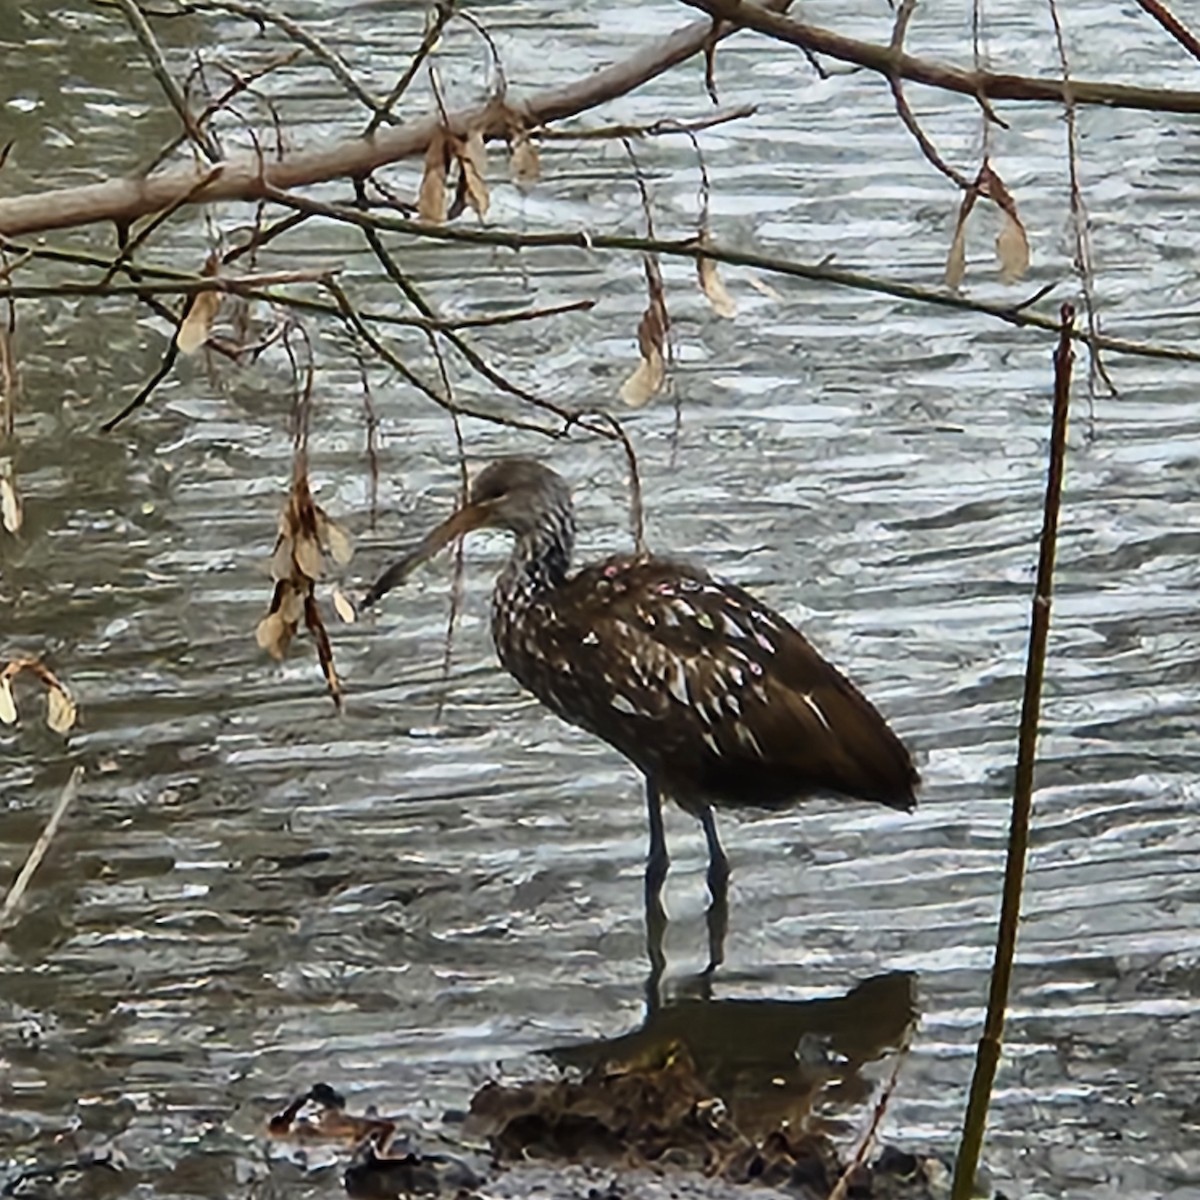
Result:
{"points": [[988, 1056]]}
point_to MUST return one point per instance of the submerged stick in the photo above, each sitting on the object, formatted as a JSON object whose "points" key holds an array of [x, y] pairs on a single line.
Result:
{"points": [[988, 1056], [40, 847]]}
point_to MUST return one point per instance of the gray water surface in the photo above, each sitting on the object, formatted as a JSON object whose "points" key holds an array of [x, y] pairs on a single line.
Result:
{"points": [[253, 893]]}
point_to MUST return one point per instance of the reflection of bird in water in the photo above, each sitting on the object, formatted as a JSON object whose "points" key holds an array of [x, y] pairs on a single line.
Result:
{"points": [[712, 695], [773, 1062]]}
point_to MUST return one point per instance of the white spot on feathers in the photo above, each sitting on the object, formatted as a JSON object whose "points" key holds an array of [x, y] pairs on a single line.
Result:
{"points": [[816, 710], [677, 680], [624, 705]]}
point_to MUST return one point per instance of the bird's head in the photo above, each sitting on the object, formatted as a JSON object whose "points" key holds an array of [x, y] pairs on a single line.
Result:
{"points": [[516, 494]]}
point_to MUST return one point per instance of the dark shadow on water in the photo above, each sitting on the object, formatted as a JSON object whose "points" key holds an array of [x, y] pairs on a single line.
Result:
{"points": [[769, 1060]]}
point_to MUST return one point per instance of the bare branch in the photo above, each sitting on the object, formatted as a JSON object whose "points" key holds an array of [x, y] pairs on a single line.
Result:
{"points": [[975, 84], [248, 177]]}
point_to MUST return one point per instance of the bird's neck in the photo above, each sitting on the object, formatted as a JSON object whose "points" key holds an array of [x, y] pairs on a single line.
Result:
{"points": [[539, 563]]}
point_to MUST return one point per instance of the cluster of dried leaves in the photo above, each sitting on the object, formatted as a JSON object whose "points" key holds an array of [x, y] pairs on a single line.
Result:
{"points": [[436, 202], [1012, 244], [306, 536], [61, 712]]}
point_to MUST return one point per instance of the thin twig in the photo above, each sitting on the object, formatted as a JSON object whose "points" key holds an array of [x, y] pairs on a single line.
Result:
{"points": [[637, 512], [988, 1056], [261, 15], [158, 65], [40, 847], [823, 272], [240, 84], [1084, 266], [654, 129], [442, 14], [156, 222], [905, 113], [1173, 25], [357, 326]]}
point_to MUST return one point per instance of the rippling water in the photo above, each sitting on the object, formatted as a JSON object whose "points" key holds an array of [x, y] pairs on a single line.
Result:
{"points": [[253, 893]]}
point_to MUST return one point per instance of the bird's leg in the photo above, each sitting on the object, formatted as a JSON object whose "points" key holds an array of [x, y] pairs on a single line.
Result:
{"points": [[718, 864], [657, 860], [718, 888], [656, 915]]}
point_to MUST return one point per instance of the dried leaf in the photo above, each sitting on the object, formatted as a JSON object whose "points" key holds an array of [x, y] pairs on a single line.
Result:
{"points": [[281, 559], [713, 288], [956, 260], [646, 380], [472, 157], [458, 205], [197, 322], [651, 373], [431, 199], [1012, 249], [524, 162], [307, 555], [60, 710], [343, 607], [8, 706], [271, 635], [11, 512], [335, 539], [1012, 245]]}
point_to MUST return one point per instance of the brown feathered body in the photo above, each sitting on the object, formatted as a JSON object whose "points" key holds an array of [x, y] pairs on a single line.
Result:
{"points": [[715, 697]]}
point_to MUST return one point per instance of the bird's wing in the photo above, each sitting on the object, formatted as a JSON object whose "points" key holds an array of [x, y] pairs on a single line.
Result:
{"points": [[726, 682]]}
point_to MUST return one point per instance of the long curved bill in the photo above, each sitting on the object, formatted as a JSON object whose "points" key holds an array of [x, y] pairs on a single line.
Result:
{"points": [[470, 516]]}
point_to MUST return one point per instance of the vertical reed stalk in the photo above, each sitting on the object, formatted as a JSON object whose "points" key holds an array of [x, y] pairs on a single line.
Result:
{"points": [[988, 1056]]}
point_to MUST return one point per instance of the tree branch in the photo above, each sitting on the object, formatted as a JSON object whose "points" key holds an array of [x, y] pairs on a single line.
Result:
{"points": [[248, 177], [952, 79]]}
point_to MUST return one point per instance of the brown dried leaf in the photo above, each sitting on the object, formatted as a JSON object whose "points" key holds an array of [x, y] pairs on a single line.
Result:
{"points": [[271, 635], [472, 158], [1012, 245], [60, 710], [956, 260], [8, 706], [198, 321], [343, 607], [1012, 248], [431, 199], [281, 559], [714, 290], [11, 511], [335, 539], [307, 556], [651, 373], [524, 163], [646, 381]]}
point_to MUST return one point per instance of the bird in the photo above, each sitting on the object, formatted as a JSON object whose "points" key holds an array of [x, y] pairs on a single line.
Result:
{"points": [[712, 695]]}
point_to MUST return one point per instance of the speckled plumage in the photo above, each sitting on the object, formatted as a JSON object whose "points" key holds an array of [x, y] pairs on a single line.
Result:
{"points": [[704, 688], [711, 694]]}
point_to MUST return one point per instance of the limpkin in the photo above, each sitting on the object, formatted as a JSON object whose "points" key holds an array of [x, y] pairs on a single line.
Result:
{"points": [[712, 695]]}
